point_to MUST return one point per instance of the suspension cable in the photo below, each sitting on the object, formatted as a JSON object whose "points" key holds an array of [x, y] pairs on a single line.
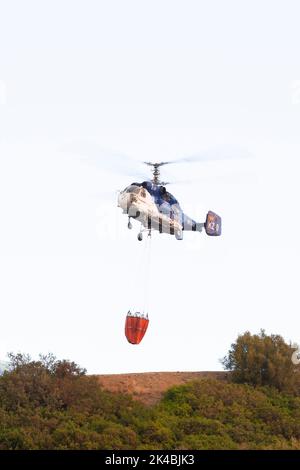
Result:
{"points": [[147, 274]]}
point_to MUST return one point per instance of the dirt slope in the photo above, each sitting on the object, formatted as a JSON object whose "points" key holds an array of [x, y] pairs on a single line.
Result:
{"points": [[149, 386]]}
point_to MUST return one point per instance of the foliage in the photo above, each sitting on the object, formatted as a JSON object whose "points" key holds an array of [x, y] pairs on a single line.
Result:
{"points": [[263, 360], [51, 404]]}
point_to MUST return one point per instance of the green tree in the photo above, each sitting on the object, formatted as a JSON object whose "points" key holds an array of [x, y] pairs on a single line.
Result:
{"points": [[263, 360], [51, 404]]}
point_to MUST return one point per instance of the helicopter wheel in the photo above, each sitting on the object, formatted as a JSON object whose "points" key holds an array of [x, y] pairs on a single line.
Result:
{"points": [[178, 235], [140, 237], [129, 224]]}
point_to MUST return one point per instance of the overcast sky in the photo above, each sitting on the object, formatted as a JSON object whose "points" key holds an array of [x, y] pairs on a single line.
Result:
{"points": [[154, 80]]}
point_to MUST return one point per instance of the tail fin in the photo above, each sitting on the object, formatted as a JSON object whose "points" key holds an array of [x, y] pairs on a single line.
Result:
{"points": [[213, 224]]}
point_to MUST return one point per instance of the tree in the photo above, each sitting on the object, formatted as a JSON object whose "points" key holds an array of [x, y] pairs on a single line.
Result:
{"points": [[263, 360], [46, 382]]}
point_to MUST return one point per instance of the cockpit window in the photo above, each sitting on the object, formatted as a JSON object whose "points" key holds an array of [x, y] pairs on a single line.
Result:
{"points": [[132, 189]]}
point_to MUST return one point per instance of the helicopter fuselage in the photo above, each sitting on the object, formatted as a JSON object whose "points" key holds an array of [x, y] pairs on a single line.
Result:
{"points": [[156, 208]]}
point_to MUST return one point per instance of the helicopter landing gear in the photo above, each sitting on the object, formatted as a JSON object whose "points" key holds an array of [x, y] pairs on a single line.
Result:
{"points": [[179, 235], [129, 224], [142, 230]]}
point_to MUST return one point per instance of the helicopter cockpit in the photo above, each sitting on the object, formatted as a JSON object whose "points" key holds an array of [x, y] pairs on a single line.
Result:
{"points": [[133, 188], [158, 192]]}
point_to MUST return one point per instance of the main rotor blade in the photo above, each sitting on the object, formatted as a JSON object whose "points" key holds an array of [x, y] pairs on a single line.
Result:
{"points": [[222, 153], [107, 160], [217, 154], [157, 164]]}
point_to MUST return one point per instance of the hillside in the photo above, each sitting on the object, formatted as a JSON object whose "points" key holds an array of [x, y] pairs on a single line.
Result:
{"points": [[149, 387], [53, 404]]}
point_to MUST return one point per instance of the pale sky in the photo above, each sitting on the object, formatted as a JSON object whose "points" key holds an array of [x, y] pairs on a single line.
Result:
{"points": [[154, 80]]}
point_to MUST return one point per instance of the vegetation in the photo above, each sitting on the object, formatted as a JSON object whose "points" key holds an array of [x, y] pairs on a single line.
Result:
{"points": [[263, 360], [52, 404]]}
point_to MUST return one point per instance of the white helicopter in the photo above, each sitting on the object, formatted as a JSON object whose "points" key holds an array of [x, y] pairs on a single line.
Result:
{"points": [[151, 204]]}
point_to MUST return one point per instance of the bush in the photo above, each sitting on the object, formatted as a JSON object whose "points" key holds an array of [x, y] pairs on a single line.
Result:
{"points": [[263, 360], [50, 404]]}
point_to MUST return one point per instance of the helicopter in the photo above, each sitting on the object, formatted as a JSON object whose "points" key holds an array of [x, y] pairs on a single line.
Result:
{"points": [[150, 203]]}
